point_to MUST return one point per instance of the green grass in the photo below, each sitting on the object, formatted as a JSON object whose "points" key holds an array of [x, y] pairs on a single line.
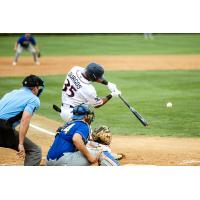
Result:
{"points": [[108, 44], [147, 91]]}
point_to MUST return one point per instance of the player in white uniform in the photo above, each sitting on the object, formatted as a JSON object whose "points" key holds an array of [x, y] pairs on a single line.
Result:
{"points": [[78, 89]]}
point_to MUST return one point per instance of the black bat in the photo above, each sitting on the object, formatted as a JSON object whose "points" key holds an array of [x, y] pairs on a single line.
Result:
{"points": [[56, 108], [140, 118]]}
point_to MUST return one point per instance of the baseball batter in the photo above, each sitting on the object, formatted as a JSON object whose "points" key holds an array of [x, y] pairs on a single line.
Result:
{"points": [[78, 88], [28, 43]]}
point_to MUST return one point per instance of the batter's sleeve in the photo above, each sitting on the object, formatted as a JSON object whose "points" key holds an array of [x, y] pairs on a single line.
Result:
{"points": [[93, 99]]}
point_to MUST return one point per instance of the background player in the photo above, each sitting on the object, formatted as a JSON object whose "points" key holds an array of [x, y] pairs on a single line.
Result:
{"points": [[18, 106], [78, 89], [28, 43]]}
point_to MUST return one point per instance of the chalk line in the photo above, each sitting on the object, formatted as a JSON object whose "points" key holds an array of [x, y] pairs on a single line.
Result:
{"points": [[190, 162], [42, 129]]}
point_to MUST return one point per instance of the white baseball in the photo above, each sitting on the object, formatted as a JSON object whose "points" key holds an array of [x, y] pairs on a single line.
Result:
{"points": [[169, 105]]}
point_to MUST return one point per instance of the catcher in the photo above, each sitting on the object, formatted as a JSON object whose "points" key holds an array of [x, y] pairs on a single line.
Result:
{"points": [[100, 140]]}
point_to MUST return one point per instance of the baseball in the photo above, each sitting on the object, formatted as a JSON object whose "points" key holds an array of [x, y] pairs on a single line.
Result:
{"points": [[169, 105]]}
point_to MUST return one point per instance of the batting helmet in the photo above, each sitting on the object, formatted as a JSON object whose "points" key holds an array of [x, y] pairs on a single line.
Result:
{"points": [[94, 72], [82, 110]]}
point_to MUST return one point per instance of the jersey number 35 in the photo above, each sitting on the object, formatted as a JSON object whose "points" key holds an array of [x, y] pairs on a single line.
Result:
{"points": [[69, 89]]}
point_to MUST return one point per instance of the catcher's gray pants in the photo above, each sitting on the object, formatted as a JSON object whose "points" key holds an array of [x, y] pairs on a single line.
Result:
{"points": [[76, 159], [20, 49], [71, 159]]}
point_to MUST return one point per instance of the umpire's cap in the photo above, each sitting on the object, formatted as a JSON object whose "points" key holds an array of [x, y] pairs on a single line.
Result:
{"points": [[94, 72], [80, 111], [32, 81]]}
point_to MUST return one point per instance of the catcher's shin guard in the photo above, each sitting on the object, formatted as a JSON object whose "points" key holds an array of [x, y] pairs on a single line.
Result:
{"points": [[106, 159]]}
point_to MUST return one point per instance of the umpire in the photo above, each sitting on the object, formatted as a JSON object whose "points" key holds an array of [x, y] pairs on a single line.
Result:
{"points": [[18, 107]]}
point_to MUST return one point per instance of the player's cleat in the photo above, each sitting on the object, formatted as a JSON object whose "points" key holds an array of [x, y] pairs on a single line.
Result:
{"points": [[37, 63], [118, 156], [14, 63]]}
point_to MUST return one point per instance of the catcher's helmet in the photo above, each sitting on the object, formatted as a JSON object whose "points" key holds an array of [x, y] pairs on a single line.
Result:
{"points": [[80, 111], [33, 81], [94, 72]]}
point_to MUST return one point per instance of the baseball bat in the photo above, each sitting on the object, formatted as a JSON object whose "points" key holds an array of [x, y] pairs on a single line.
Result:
{"points": [[56, 108], [139, 117]]}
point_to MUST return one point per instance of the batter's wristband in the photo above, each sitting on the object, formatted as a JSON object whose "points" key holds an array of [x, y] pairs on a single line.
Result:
{"points": [[109, 96], [105, 82]]}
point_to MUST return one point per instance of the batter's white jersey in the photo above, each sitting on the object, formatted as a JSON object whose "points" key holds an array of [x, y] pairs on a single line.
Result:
{"points": [[77, 90]]}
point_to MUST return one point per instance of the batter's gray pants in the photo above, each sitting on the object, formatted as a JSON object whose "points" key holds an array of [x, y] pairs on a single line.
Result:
{"points": [[20, 49]]}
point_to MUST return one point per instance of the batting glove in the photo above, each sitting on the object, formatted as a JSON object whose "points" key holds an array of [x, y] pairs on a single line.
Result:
{"points": [[111, 86], [116, 93]]}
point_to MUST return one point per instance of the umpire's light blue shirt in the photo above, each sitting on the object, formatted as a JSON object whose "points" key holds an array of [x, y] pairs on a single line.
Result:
{"points": [[16, 101]]}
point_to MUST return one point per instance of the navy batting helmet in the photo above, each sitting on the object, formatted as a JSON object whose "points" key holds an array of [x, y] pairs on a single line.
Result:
{"points": [[80, 111], [94, 72]]}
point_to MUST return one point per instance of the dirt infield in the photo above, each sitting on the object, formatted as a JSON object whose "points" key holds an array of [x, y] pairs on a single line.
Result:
{"points": [[139, 150], [60, 65]]}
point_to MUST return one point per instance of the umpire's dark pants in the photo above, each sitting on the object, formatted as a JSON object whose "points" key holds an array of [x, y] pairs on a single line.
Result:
{"points": [[9, 138]]}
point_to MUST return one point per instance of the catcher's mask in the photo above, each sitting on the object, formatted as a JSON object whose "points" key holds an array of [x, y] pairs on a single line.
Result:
{"points": [[81, 111], [94, 72], [34, 81]]}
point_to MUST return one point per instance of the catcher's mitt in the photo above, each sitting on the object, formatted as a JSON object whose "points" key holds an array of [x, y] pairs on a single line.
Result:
{"points": [[102, 135]]}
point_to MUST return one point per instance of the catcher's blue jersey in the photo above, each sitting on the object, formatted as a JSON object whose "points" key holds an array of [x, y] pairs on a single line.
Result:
{"points": [[63, 141]]}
